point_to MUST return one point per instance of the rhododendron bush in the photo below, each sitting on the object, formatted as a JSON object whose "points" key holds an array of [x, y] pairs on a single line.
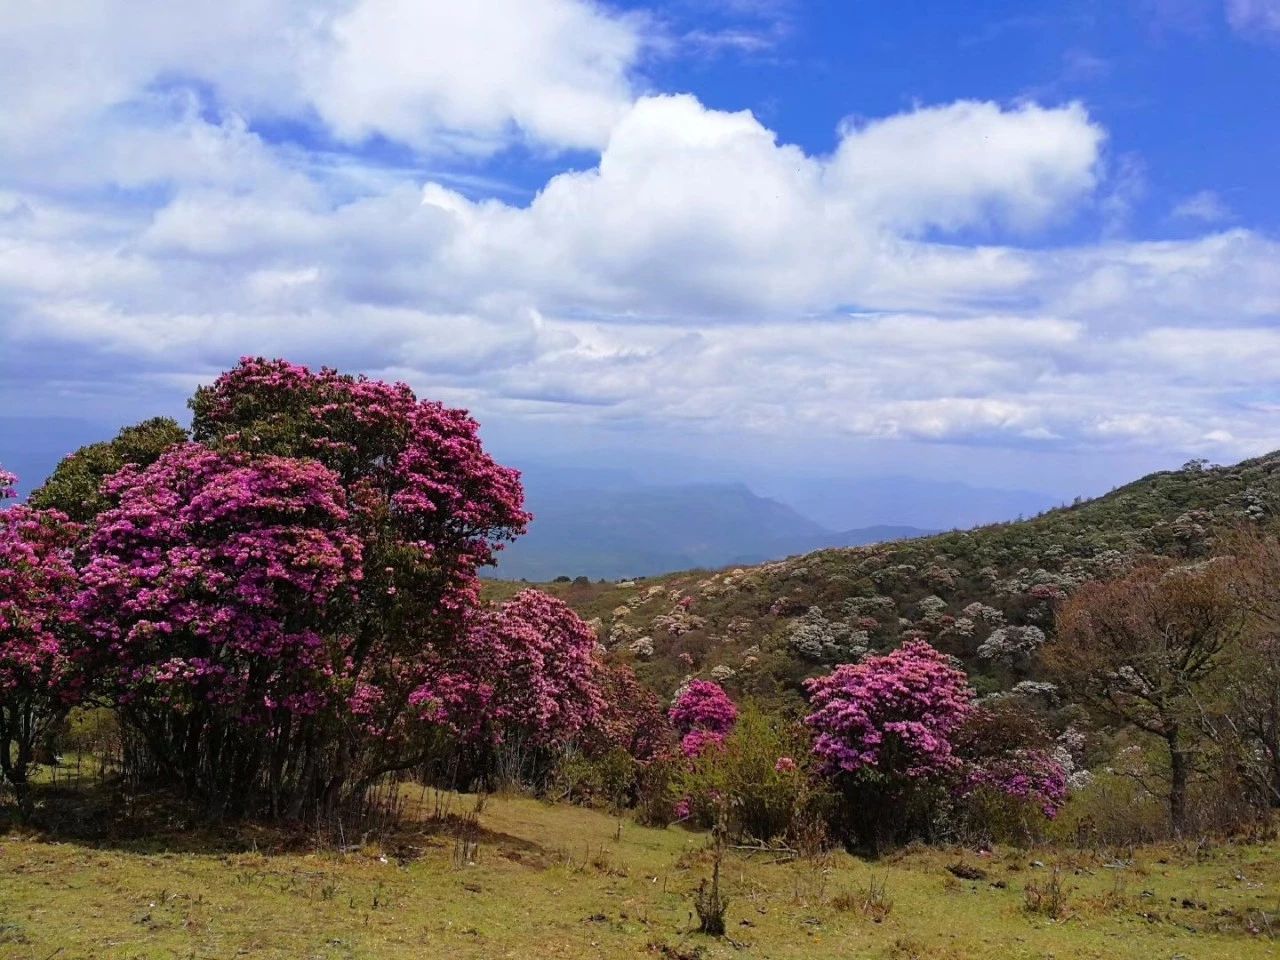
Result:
{"points": [[38, 679], [892, 716], [702, 715], [288, 608], [751, 784], [525, 677], [1012, 777], [219, 596], [900, 732]]}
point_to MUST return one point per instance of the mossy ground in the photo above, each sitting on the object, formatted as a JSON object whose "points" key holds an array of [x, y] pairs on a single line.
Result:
{"points": [[563, 882]]}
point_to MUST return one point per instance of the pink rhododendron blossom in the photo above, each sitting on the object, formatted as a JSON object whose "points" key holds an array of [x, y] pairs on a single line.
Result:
{"points": [[38, 676], [697, 742], [527, 670], [893, 714], [215, 581], [1031, 775], [785, 765], [702, 715]]}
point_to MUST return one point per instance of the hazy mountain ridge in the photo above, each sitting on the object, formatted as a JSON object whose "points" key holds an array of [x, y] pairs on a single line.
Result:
{"points": [[616, 531]]}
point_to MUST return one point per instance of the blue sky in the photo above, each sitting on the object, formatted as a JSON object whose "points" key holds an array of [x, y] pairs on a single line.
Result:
{"points": [[1018, 244]]}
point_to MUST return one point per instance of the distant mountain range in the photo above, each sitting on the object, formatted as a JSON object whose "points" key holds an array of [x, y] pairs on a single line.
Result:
{"points": [[603, 523], [842, 503], [613, 531]]}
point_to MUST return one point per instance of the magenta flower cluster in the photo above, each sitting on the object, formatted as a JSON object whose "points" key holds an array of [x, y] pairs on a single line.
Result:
{"points": [[893, 715], [526, 672], [37, 585], [38, 676], [702, 715], [288, 607], [1030, 775], [222, 579]]}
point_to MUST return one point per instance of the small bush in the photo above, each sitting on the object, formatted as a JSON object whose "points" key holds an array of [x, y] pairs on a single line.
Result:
{"points": [[758, 777], [1047, 899], [710, 904]]}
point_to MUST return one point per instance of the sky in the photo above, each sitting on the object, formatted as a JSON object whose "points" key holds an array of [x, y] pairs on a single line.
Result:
{"points": [[1018, 244]]}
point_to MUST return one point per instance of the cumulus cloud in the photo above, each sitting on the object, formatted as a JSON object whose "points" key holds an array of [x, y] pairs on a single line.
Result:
{"points": [[692, 210], [694, 273], [438, 76]]}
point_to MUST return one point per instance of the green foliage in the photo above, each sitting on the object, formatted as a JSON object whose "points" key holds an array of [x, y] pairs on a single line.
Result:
{"points": [[73, 487], [753, 620], [608, 780], [758, 779]]}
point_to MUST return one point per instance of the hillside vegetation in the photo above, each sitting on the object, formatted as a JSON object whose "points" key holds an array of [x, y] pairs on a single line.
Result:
{"points": [[245, 672], [760, 629]]}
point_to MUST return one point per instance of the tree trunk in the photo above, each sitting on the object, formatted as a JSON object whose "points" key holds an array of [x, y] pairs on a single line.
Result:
{"points": [[1179, 773], [15, 770]]}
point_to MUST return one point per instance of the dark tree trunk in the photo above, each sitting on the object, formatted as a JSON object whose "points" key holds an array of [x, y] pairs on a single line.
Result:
{"points": [[1179, 774]]}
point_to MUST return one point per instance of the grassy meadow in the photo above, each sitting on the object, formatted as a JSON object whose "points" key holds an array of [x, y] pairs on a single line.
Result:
{"points": [[527, 879]]}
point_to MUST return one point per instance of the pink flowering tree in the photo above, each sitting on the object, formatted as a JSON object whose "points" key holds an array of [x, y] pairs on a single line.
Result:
{"points": [[884, 731], [633, 719], [219, 596], [347, 653], [702, 716], [523, 686], [430, 508], [38, 679]]}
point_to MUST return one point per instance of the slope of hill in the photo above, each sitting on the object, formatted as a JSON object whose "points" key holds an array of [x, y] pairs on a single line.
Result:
{"points": [[612, 531], [985, 595]]}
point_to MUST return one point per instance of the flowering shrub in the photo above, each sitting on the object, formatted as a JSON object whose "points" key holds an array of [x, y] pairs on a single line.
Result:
{"points": [[285, 602], [749, 781], [702, 715], [1012, 778], [38, 679], [75, 486], [893, 715], [527, 673], [1034, 776], [1012, 645], [632, 718], [217, 594], [430, 505]]}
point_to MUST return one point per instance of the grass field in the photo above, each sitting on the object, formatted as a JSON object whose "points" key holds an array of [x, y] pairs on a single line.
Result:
{"points": [[561, 882]]}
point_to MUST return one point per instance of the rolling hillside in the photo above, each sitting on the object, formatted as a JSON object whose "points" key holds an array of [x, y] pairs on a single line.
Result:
{"points": [[986, 595]]}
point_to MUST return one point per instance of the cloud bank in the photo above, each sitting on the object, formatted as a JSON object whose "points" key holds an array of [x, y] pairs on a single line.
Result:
{"points": [[180, 188]]}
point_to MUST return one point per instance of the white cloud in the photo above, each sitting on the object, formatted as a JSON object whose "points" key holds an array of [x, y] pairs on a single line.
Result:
{"points": [[1205, 207], [1254, 16], [437, 76], [700, 276], [969, 164], [412, 71], [692, 210]]}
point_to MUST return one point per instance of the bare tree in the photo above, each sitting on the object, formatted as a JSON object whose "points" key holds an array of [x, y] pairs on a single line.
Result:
{"points": [[1252, 711], [1144, 647]]}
